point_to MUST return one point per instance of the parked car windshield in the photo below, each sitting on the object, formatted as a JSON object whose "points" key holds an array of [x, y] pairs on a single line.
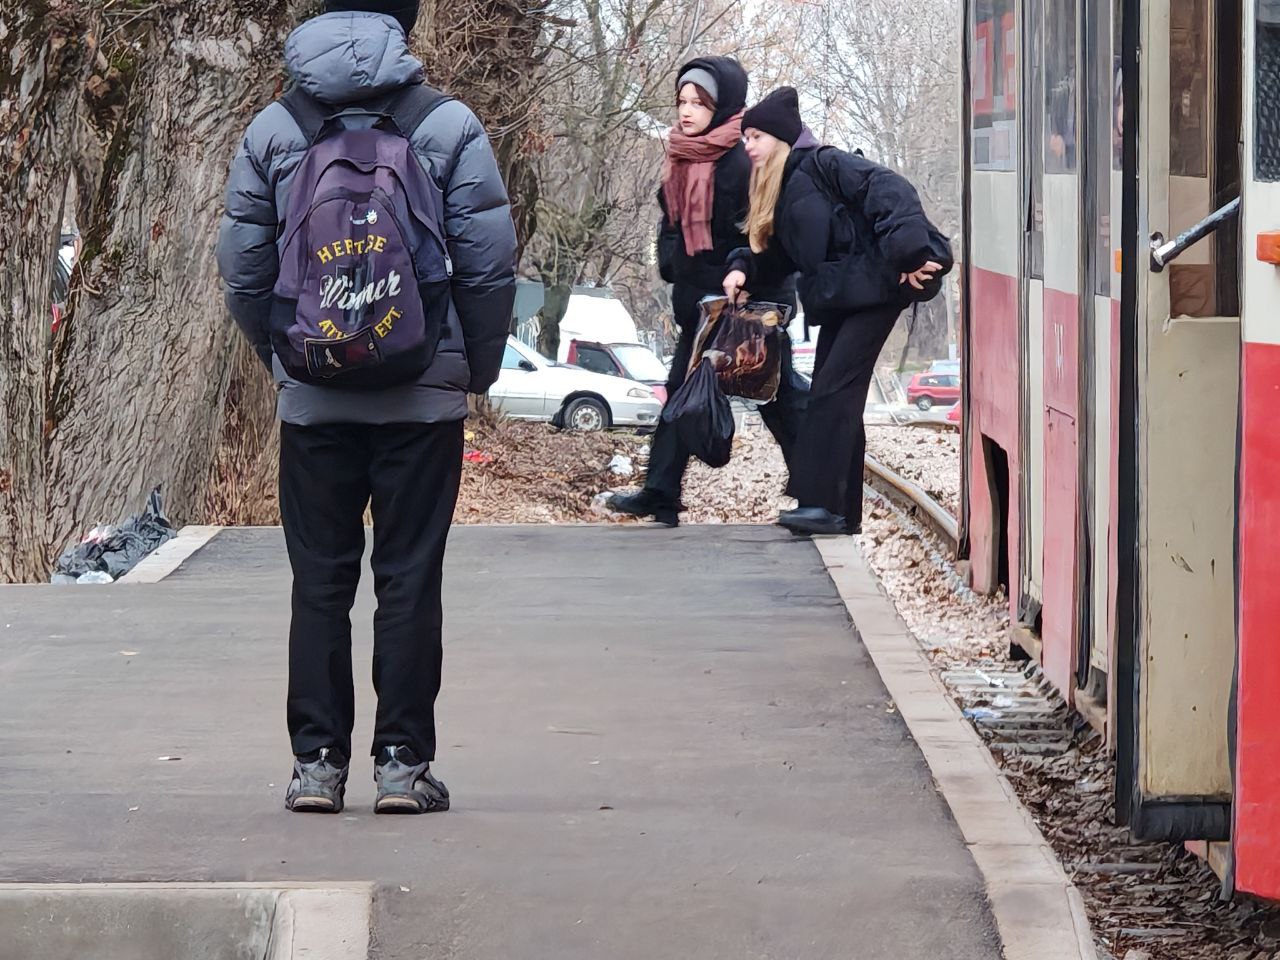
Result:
{"points": [[640, 362]]}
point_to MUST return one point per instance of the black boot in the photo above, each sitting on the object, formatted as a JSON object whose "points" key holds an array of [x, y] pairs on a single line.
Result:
{"points": [[647, 503], [814, 520]]}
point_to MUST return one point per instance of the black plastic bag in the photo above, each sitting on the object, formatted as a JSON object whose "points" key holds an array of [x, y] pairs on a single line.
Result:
{"points": [[114, 551], [700, 414]]}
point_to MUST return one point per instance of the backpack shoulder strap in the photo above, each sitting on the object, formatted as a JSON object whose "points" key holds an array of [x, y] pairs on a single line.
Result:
{"points": [[817, 169], [308, 113], [412, 105]]}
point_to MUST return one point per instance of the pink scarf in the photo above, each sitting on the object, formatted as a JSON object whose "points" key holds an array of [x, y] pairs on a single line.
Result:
{"points": [[689, 180]]}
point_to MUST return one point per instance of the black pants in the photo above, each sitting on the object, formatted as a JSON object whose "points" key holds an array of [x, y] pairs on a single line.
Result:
{"points": [[668, 457], [409, 475], [826, 470]]}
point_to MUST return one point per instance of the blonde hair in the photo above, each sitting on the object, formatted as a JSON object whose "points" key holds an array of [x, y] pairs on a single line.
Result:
{"points": [[766, 188]]}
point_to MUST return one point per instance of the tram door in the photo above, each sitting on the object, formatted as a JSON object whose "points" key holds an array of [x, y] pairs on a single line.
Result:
{"points": [[1175, 779], [1051, 165], [1031, 342], [1100, 214], [1256, 830]]}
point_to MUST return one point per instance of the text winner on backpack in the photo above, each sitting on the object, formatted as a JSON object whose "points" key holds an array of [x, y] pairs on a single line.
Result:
{"points": [[368, 255]]}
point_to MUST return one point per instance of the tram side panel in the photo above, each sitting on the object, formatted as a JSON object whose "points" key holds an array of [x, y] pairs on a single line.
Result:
{"points": [[992, 333], [1256, 827], [994, 405]]}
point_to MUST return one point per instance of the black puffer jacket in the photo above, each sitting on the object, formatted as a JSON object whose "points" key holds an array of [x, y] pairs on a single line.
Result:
{"points": [[850, 251], [702, 274]]}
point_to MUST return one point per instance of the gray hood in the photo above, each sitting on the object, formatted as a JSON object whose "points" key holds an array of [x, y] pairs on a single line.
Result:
{"points": [[342, 58]]}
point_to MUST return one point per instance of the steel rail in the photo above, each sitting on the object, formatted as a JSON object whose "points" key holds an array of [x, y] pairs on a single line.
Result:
{"points": [[913, 498]]}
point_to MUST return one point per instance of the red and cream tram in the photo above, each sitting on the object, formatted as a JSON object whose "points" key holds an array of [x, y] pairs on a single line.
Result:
{"points": [[1122, 235]]}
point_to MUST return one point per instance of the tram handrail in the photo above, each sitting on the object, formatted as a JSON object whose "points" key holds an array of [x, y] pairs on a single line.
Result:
{"points": [[1164, 252]]}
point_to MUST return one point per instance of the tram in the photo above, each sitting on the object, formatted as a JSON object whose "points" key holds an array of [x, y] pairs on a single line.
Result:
{"points": [[1122, 238]]}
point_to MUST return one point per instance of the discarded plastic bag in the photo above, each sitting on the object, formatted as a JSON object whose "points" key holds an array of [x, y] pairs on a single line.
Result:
{"points": [[744, 344], [700, 414], [114, 551]]}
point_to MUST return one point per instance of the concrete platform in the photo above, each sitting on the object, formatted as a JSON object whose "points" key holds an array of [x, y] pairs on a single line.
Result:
{"points": [[661, 744]]}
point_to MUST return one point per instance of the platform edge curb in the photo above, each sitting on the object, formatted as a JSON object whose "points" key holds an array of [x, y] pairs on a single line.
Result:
{"points": [[157, 566], [1039, 912]]}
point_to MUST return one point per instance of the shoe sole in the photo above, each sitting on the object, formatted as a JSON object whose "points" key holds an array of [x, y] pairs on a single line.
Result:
{"points": [[314, 805], [663, 516], [408, 805], [804, 531]]}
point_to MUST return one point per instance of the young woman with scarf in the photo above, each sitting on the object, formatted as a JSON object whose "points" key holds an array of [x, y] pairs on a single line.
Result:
{"points": [[858, 236], [704, 204]]}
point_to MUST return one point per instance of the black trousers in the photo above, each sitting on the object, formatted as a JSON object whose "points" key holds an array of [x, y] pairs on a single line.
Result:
{"points": [[668, 457], [826, 469], [408, 474]]}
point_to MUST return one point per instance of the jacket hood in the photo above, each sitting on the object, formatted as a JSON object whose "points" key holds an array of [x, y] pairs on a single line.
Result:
{"points": [[732, 81], [342, 58], [806, 145], [807, 140]]}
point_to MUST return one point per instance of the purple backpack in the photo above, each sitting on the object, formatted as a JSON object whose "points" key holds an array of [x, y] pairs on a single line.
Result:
{"points": [[363, 291]]}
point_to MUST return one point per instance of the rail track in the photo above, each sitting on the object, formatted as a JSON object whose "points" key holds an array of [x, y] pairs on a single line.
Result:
{"points": [[912, 498]]}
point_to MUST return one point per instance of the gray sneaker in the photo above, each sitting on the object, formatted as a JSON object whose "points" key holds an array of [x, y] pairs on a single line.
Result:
{"points": [[406, 785], [319, 786]]}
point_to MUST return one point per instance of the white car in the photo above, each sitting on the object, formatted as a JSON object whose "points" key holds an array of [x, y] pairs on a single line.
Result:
{"points": [[531, 387]]}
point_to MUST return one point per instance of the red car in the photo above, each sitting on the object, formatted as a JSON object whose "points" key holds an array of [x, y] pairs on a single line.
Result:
{"points": [[634, 361], [928, 390]]}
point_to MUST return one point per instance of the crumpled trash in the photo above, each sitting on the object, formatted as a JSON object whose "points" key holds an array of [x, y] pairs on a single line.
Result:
{"points": [[982, 713], [476, 456], [111, 552], [703, 420], [621, 465]]}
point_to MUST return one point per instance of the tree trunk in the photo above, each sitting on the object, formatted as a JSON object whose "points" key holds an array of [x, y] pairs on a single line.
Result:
{"points": [[147, 107], [486, 53], [41, 83], [145, 103], [555, 305]]}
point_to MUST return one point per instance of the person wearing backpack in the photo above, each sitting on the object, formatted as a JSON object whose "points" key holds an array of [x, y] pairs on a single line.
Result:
{"points": [[367, 253], [865, 250], [704, 202]]}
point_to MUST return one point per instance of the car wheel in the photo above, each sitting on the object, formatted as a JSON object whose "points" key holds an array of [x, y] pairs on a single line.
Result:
{"points": [[586, 415], [925, 403]]}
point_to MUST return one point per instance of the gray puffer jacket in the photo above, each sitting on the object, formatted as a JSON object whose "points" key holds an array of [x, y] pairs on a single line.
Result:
{"points": [[346, 58]]}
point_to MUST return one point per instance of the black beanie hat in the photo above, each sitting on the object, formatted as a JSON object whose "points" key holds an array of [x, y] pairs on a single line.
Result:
{"points": [[777, 114], [406, 11], [730, 81]]}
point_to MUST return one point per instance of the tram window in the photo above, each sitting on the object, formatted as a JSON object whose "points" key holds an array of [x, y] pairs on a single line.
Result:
{"points": [[1267, 94], [1033, 133], [1204, 137], [1117, 87], [993, 84], [1099, 77], [1189, 89], [1060, 86]]}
